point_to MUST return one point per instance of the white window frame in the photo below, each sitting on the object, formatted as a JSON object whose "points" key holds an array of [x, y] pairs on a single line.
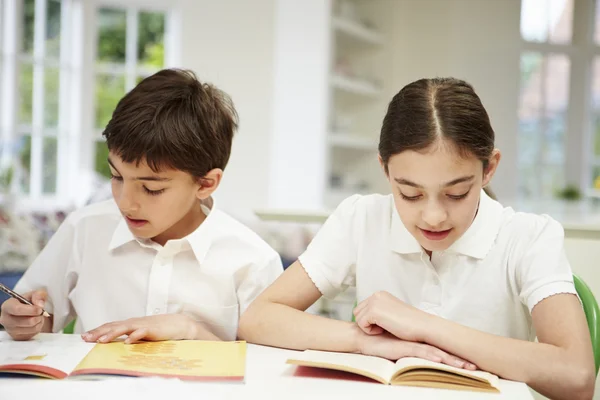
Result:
{"points": [[592, 53], [131, 70], [582, 50], [76, 154], [69, 92]]}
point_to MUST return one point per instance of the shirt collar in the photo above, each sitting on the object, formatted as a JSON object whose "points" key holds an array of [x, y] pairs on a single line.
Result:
{"points": [[199, 240], [476, 242]]}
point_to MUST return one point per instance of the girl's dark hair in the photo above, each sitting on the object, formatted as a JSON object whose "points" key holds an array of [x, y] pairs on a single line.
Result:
{"points": [[428, 110]]}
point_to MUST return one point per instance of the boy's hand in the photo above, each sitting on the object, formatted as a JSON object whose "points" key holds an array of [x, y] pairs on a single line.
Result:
{"points": [[22, 321], [388, 346], [153, 328]]}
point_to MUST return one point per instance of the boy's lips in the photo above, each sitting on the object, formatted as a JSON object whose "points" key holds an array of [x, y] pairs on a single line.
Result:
{"points": [[136, 223], [435, 235]]}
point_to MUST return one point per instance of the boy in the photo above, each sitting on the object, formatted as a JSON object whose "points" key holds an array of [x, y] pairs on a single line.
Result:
{"points": [[160, 261]]}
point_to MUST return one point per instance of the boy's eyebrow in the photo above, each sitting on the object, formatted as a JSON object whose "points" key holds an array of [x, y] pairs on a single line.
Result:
{"points": [[453, 182], [141, 178]]}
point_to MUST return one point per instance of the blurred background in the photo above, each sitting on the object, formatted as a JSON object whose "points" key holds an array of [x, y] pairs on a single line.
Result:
{"points": [[311, 80]]}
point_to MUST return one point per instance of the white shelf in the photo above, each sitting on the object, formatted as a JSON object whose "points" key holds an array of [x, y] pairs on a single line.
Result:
{"points": [[301, 216], [353, 142], [356, 31], [593, 194], [354, 86]]}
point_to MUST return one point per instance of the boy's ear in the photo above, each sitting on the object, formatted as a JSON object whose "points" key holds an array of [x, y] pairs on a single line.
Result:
{"points": [[492, 166], [382, 164], [209, 183]]}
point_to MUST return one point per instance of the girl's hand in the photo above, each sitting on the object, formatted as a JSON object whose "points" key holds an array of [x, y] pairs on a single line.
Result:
{"points": [[392, 348], [383, 312]]}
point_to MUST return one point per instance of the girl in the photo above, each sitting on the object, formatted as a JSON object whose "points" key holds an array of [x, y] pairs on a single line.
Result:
{"points": [[442, 270]]}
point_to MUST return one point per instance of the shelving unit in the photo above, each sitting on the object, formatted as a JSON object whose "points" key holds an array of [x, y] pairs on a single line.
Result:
{"points": [[358, 98], [352, 142]]}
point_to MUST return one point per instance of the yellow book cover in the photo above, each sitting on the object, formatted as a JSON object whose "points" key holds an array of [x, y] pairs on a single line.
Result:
{"points": [[186, 359], [67, 356], [407, 371]]}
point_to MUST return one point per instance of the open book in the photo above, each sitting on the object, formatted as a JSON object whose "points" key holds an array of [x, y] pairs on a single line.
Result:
{"points": [[406, 371], [68, 356]]}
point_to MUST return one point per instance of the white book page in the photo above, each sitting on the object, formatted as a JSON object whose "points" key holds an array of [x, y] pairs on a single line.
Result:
{"points": [[374, 365], [58, 351]]}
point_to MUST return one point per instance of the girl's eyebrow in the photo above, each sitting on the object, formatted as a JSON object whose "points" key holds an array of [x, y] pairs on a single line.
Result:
{"points": [[453, 182]]}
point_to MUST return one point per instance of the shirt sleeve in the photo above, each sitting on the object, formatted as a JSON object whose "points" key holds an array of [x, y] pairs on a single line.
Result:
{"points": [[54, 270], [261, 276], [544, 270], [330, 258]]}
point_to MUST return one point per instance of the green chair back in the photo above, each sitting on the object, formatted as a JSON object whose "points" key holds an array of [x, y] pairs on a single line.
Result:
{"points": [[592, 315], [70, 327]]}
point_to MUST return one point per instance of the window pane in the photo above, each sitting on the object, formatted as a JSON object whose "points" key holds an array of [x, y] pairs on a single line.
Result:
{"points": [[53, 29], [151, 31], [556, 93], [25, 93], [544, 98], [528, 182], [50, 166], [553, 179], [28, 25], [597, 23], [112, 34], [101, 155], [25, 163], [531, 86], [596, 134], [547, 21], [596, 177], [51, 93], [140, 78], [109, 90]]}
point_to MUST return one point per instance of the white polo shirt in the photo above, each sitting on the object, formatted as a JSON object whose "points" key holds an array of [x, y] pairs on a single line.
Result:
{"points": [[489, 279], [94, 269]]}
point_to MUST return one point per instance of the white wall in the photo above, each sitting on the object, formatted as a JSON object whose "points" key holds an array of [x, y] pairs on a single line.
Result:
{"points": [[230, 44], [475, 40], [235, 46], [298, 152]]}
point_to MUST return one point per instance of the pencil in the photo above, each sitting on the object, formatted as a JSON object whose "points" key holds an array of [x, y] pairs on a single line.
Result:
{"points": [[22, 299]]}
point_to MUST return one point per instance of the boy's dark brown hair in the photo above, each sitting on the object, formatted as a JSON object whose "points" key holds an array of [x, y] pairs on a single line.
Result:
{"points": [[171, 120]]}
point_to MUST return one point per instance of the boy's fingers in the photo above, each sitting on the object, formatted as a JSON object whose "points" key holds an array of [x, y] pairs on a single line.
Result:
{"points": [[22, 310], [116, 331], [96, 333], [27, 331], [137, 335], [39, 298], [27, 322]]}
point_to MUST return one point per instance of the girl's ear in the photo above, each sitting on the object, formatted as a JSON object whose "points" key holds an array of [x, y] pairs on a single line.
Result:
{"points": [[209, 183], [491, 167]]}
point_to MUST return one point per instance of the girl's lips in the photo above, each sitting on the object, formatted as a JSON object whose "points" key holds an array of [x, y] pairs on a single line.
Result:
{"points": [[435, 235]]}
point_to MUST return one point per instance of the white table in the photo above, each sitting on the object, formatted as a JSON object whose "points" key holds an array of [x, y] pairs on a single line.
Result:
{"points": [[267, 377]]}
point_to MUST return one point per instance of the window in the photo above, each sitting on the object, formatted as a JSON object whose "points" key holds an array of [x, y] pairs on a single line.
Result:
{"points": [[546, 28], [559, 109], [35, 76], [594, 136], [130, 47]]}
